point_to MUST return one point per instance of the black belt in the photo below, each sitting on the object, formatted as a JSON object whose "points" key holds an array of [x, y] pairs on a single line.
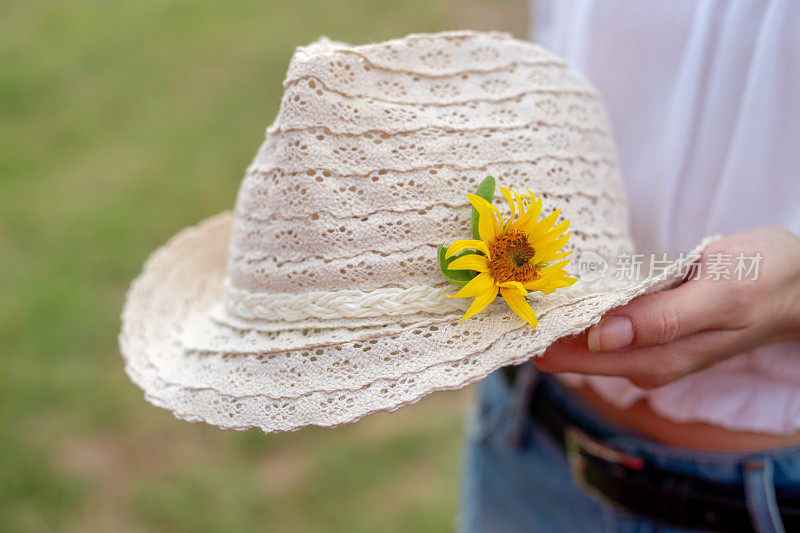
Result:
{"points": [[645, 489]]}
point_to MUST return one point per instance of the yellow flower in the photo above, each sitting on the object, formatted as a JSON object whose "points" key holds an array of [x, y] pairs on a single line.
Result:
{"points": [[514, 258]]}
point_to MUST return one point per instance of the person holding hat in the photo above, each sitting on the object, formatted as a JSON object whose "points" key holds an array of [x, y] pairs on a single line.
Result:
{"points": [[417, 219], [679, 411]]}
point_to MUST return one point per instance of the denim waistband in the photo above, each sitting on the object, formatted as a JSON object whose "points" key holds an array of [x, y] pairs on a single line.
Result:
{"points": [[722, 467]]}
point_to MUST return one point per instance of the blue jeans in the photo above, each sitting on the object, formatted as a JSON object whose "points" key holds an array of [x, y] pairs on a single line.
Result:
{"points": [[527, 486]]}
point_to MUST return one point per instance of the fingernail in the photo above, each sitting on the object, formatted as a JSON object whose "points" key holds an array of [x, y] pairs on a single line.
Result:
{"points": [[611, 333]]}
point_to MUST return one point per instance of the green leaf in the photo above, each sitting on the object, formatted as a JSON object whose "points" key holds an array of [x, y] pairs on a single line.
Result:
{"points": [[459, 277], [485, 191]]}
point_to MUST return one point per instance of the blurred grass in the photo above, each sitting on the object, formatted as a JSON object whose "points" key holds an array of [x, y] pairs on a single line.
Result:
{"points": [[120, 123]]}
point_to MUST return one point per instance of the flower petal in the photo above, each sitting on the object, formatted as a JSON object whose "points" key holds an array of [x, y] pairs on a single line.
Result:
{"points": [[559, 243], [555, 266], [522, 202], [529, 210], [556, 231], [471, 244], [513, 285], [549, 252], [470, 262], [560, 255], [547, 256], [480, 283], [550, 283], [536, 229], [507, 193], [519, 305], [481, 301], [490, 221], [557, 283]]}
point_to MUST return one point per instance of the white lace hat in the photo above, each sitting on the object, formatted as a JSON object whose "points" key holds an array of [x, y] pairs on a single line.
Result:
{"points": [[319, 300]]}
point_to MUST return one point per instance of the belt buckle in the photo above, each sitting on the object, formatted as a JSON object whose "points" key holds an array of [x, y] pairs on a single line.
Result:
{"points": [[579, 445]]}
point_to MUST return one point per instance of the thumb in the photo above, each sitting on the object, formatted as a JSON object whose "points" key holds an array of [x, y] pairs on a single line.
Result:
{"points": [[657, 318]]}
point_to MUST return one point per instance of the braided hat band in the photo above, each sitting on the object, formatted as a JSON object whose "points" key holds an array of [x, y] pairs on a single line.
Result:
{"points": [[291, 307]]}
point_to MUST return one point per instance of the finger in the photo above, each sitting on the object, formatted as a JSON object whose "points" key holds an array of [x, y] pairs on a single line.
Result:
{"points": [[659, 318], [568, 354], [685, 356], [647, 367]]}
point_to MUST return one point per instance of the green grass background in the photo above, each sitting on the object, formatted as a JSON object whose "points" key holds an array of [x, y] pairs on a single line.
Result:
{"points": [[120, 123]]}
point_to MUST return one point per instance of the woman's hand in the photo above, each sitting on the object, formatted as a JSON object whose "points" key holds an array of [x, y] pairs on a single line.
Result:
{"points": [[657, 338]]}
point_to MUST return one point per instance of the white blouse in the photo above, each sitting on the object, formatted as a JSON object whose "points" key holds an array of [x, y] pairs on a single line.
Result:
{"points": [[704, 97]]}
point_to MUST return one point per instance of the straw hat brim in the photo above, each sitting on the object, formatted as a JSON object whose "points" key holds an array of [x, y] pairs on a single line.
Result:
{"points": [[184, 361]]}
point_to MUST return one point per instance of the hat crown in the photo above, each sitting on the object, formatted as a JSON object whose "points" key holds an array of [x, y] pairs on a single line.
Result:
{"points": [[366, 167]]}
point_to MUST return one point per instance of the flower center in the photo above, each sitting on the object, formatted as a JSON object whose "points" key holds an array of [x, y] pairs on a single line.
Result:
{"points": [[510, 253]]}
